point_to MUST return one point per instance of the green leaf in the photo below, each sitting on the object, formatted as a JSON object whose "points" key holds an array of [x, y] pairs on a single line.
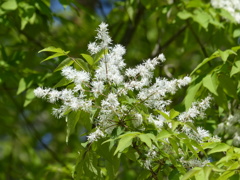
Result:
{"points": [[65, 62], [21, 86], [230, 171], [235, 68], [201, 17], [9, 5], [163, 134], [146, 139], [88, 58], [100, 55], [204, 173], [224, 54], [221, 147], [173, 114], [191, 93], [228, 85], [80, 64], [52, 49], [29, 97], [163, 114], [236, 33], [211, 83], [72, 119], [62, 82], [53, 56], [125, 141], [174, 144], [184, 14], [206, 60], [191, 173]]}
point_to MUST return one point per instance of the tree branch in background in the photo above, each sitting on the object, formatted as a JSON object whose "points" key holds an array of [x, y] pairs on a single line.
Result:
{"points": [[132, 26], [197, 39], [158, 49], [33, 130]]}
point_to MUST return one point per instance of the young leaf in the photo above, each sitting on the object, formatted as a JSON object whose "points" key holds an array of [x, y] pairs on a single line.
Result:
{"points": [[211, 83], [173, 113], [146, 139], [88, 58], [125, 141]]}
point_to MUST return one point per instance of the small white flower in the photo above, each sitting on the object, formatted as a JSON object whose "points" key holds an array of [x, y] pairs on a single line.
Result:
{"points": [[93, 48], [137, 121], [95, 135], [41, 92]]}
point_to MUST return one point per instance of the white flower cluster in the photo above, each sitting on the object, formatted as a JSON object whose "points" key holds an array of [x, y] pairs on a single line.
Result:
{"points": [[232, 6], [230, 128], [196, 110], [151, 155], [114, 95], [191, 163]]}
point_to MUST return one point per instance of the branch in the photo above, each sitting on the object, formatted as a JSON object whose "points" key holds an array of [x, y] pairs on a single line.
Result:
{"points": [[197, 39], [132, 26], [159, 48]]}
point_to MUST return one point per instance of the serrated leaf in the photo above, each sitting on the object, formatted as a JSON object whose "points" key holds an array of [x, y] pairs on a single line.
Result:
{"points": [[219, 148], [211, 83], [9, 5], [88, 58], [146, 139], [235, 68], [72, 119], [65, 62]]}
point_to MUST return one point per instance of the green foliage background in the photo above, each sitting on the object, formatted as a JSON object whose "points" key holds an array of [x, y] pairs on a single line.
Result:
{"points": [[187, 32]]}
